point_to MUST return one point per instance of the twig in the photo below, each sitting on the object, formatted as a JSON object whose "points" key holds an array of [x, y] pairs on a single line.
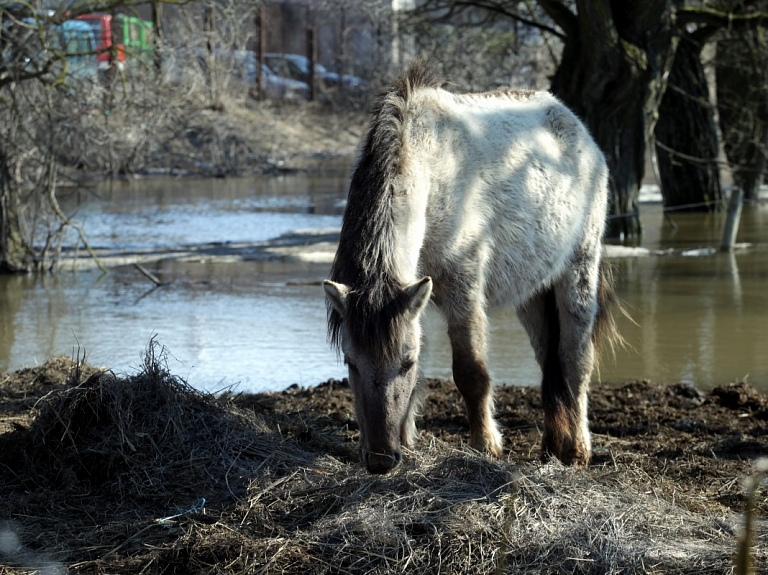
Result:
{"points": [[152, 277], [58, 211]]}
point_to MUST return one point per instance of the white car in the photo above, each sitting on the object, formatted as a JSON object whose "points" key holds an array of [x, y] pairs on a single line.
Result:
{"points": [[242, 65], [278, 87], [297, 66]]}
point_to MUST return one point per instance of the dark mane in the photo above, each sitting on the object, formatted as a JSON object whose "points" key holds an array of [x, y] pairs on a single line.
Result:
{"points": [[364, 260]]}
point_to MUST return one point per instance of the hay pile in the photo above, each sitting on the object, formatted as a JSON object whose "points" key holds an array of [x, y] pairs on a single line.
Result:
{"points": [[109, 477]]}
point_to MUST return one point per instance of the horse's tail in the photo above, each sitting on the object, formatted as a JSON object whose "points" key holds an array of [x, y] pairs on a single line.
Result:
{"points": [[605, 329]]}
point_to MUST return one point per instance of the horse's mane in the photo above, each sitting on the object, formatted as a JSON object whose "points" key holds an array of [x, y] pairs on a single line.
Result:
{"points": [[364, 260]]}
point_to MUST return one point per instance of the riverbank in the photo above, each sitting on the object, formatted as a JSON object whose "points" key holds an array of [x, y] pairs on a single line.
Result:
{"points": [[103, 473], [305, 246], [315, 245], [237, 138]]}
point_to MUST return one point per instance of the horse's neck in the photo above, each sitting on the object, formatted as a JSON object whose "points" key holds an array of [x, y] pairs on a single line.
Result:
{"points": [[410, 219]]}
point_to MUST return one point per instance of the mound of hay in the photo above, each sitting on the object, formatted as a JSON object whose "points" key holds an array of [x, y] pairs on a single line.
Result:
{"points": [[106, 476], [147, 437]]}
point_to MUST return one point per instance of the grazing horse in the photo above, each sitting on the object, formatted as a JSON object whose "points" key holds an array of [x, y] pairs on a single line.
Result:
{"points": [[470, 201]]}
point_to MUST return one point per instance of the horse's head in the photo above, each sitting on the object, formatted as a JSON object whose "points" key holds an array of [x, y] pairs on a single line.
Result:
{"points": [[381, 349]]}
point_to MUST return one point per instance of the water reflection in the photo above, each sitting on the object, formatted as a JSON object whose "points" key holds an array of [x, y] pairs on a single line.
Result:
{"points": [[164, 212], [251, 325], [699, 320], [262, 324]]}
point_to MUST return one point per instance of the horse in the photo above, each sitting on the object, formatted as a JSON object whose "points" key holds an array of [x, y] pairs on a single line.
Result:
{"points": [[470, 201]]}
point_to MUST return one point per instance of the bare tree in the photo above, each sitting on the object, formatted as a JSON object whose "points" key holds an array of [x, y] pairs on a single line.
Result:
{"points": [[616, 59], [742, 97], [481, 50], [47, 80], [60, 122], [686, 137]]}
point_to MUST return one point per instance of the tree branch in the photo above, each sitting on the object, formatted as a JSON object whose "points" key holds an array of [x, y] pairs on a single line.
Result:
{"points": [[694, 15], [452, 7], [560, 15]]}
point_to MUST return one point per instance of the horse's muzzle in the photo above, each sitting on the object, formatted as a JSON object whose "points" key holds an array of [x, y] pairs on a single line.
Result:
{"points": [[380, 462]]}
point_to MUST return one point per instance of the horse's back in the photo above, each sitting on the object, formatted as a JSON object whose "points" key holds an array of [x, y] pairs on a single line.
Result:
{"points": [[515, 180], [506, 137]]}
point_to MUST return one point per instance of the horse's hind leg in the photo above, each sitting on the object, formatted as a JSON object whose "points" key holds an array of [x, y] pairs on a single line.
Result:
{"points": [[576, 302], [470, 373], [539, 316], [559, 322]]}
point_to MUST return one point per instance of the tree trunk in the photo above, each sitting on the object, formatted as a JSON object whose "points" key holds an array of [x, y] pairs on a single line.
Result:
{"points": [[612, 74], [15, 255], [157, 39], [686, 135], [742, 104]]}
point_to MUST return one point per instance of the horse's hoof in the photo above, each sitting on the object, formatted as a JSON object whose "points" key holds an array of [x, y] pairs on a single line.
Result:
{"points": [[575, 456], [490, 444]]}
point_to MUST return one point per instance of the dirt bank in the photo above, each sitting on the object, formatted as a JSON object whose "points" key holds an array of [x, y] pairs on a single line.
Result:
{"points": [[237, 138], [104, 473]]}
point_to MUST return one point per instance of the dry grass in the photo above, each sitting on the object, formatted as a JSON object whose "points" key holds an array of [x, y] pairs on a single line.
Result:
{"points": [[88, 481]]}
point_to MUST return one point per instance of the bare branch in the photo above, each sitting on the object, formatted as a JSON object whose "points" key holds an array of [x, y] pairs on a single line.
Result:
{"points": [[446, 10], [701, 15], [560, 14]]}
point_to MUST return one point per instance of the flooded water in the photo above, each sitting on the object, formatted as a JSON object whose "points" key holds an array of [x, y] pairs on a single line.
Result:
{"points": [[261, 325]]}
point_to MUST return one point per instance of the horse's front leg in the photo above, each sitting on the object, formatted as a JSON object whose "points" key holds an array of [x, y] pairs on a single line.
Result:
{"points": [[468, 336]]}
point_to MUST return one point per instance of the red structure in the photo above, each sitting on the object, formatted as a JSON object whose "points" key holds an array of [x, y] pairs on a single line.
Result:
{"points": [[110, 52]]}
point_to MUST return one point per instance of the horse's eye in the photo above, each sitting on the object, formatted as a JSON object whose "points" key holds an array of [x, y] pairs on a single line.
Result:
{"points": [[406, 367], [352, 366]]}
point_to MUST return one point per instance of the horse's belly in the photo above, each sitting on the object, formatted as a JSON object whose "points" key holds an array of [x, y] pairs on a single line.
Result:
{"points": [[509, 267]]}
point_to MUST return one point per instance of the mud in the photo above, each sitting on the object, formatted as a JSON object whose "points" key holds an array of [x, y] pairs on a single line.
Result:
{"points": [[90, 460], [696, 442]]}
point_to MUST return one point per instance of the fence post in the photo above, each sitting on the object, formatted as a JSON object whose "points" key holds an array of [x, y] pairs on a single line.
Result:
{"points": [[261, 48], [311, 55], [732, 220], [157, 22]]}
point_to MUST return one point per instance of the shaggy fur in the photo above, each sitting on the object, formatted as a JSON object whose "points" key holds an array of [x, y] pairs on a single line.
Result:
{"points": [[494, 198]]}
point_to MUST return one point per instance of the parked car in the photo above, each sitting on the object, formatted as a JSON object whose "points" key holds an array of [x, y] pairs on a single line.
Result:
{"points": [[243, 64], [297, 67], [275, 86], [238, 64]]}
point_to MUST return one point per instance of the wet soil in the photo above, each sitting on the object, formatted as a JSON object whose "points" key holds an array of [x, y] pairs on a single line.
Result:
{"points": [[702, 442], [693, 442], [159, 443]]}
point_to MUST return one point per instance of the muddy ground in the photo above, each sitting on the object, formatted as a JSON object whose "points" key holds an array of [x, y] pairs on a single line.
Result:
{"points": [[696, 443], [90, 460]]}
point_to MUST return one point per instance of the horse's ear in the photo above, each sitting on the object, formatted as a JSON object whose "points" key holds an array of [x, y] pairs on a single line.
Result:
{"points": [[336, 295], [418, 294]]}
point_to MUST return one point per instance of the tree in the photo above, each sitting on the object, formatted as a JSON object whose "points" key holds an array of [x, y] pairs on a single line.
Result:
{"points": [[14, 252], [686, 134], [742, 99], [687, 143], [616, 59], [613, 75], [39, 59]]}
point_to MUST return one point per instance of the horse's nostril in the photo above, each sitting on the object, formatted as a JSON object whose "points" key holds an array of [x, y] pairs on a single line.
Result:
{"points": [[398, 455]]}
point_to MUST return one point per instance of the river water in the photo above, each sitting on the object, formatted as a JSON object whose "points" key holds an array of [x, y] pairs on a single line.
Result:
{"points": [[256, 326]]}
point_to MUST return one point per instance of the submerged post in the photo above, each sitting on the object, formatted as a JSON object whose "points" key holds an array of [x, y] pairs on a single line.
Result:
{"points": [[732, 220]]}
